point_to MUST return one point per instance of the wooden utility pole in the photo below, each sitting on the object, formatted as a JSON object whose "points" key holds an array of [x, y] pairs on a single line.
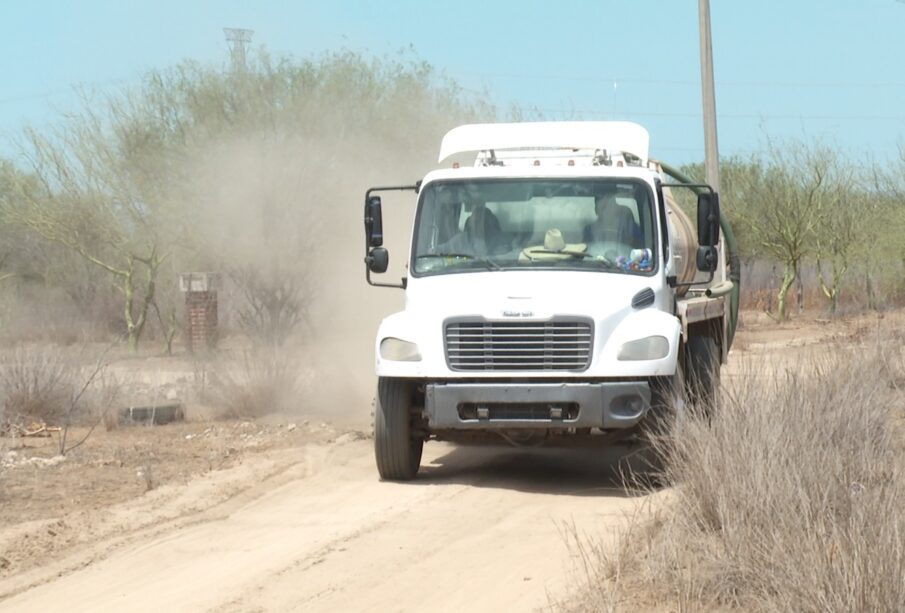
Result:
{"points": [[711, 151]]}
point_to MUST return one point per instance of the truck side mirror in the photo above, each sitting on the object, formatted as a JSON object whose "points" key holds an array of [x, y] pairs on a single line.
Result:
{"points": [[373, 222], [708, 219], [378, 260], [707, 259]]}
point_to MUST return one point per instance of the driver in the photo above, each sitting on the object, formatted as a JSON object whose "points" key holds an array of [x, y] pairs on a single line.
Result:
{"points": [[483, 230], [481, 235], [615, 223]]}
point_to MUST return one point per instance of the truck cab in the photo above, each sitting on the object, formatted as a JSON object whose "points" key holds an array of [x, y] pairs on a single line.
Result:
{"points": [[554, 290]]}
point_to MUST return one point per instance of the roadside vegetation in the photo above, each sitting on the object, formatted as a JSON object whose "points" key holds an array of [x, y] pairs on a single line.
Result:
{"points": [[791, 498], [253, 172], [239, 170], [68, 389], [817, 229]]}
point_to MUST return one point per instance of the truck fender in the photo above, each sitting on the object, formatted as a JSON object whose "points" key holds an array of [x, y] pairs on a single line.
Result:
{"points": [[398, 325], [641, 324]]}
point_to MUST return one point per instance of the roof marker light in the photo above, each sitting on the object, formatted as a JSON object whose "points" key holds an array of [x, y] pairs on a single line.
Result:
{"points": [[455, 164], [537, 162], [571, 162]]}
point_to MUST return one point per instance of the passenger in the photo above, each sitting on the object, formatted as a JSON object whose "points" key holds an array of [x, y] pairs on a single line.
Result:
{"points": [[615, 223]]}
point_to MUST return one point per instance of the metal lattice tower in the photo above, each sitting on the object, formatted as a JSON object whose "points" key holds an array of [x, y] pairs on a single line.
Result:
{"points": [[237, 38]]}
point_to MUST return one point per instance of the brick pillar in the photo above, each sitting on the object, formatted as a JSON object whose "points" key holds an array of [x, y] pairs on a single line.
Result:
{"points": [[201, 320]]}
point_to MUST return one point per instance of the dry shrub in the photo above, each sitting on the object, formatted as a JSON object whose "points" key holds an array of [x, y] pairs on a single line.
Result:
{"points": [[36, 384], [791, 499], [266, 380], [58, 388]]}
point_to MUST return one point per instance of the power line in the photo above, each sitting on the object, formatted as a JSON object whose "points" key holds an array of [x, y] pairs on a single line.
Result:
{"points": [[692, 83], [748, 116], [68, 91], [37, 96], [561, 77]]}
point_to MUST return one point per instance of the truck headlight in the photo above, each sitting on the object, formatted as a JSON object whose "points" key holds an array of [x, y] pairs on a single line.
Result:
{"points": [[399, 350], [650, 348]]}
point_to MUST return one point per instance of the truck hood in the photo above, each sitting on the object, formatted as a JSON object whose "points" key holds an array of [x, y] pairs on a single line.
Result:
{"points": [[538, 295], [604, 298]]}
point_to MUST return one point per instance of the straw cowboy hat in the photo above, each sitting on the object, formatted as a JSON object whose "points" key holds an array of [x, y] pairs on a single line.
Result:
{"points": [[554, 248]]}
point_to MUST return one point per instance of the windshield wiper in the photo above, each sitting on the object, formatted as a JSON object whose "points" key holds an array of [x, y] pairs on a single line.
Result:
{"points": [[490, 264]]}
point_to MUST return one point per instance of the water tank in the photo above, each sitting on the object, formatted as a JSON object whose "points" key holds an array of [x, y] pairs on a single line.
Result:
{"points": [[683, 238]]}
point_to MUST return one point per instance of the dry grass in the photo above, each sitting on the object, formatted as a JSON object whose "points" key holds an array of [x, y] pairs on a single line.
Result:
{"points": [[55, 388], [791, 499]]}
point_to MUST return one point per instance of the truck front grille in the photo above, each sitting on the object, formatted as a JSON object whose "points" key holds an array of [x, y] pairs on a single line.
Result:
{"points": [[525, 411], [519, 345]]}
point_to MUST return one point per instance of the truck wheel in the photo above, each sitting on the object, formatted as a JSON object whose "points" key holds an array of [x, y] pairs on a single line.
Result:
{"points": [[667, 401], [703, 367], [398, 453]]}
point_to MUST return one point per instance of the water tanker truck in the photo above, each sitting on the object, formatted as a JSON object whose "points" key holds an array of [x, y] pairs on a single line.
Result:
{"points": [[554, 291]]}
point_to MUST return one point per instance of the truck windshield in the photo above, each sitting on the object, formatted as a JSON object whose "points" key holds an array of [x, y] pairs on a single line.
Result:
{"points": [[584, 224]]}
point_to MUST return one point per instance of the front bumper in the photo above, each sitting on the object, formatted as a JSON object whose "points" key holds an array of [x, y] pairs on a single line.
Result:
{"points": [[479, 406]]}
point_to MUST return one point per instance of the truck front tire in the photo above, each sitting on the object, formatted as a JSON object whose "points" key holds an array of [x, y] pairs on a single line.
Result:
{"points": [[398, 453], [703, 368]]}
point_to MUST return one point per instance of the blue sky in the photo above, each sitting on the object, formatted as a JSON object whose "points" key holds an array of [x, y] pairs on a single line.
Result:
{"points": [[794, 69]]}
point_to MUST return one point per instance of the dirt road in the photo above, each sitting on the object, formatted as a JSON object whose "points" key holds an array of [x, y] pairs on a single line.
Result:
{"points": [[308, 526], [482, 530]]}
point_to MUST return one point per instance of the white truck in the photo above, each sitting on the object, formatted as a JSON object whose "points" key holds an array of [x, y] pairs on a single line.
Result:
{"points": [[554, 289]]}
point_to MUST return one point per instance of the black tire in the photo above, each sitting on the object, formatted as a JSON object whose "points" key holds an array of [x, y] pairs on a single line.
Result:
{"points": [[667, 401], [398, 453], [668, 397], [703, 368]]}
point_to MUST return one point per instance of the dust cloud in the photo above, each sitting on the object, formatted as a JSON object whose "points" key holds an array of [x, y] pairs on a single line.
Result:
{"points": [[289, 211]]}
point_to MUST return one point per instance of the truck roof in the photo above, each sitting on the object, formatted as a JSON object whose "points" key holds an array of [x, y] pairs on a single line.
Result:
{"points": [[540, 172], [594, 141]]}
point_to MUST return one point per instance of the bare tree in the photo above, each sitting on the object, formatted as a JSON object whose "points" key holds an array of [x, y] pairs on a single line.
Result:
{"points": [[93, 394], [885, 254], [786, 208], [273, 308], [94, 191], [841, 237]]}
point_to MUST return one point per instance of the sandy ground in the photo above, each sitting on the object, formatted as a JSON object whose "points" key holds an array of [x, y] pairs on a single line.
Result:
{"points": [[482, 530], [268, 517]]}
